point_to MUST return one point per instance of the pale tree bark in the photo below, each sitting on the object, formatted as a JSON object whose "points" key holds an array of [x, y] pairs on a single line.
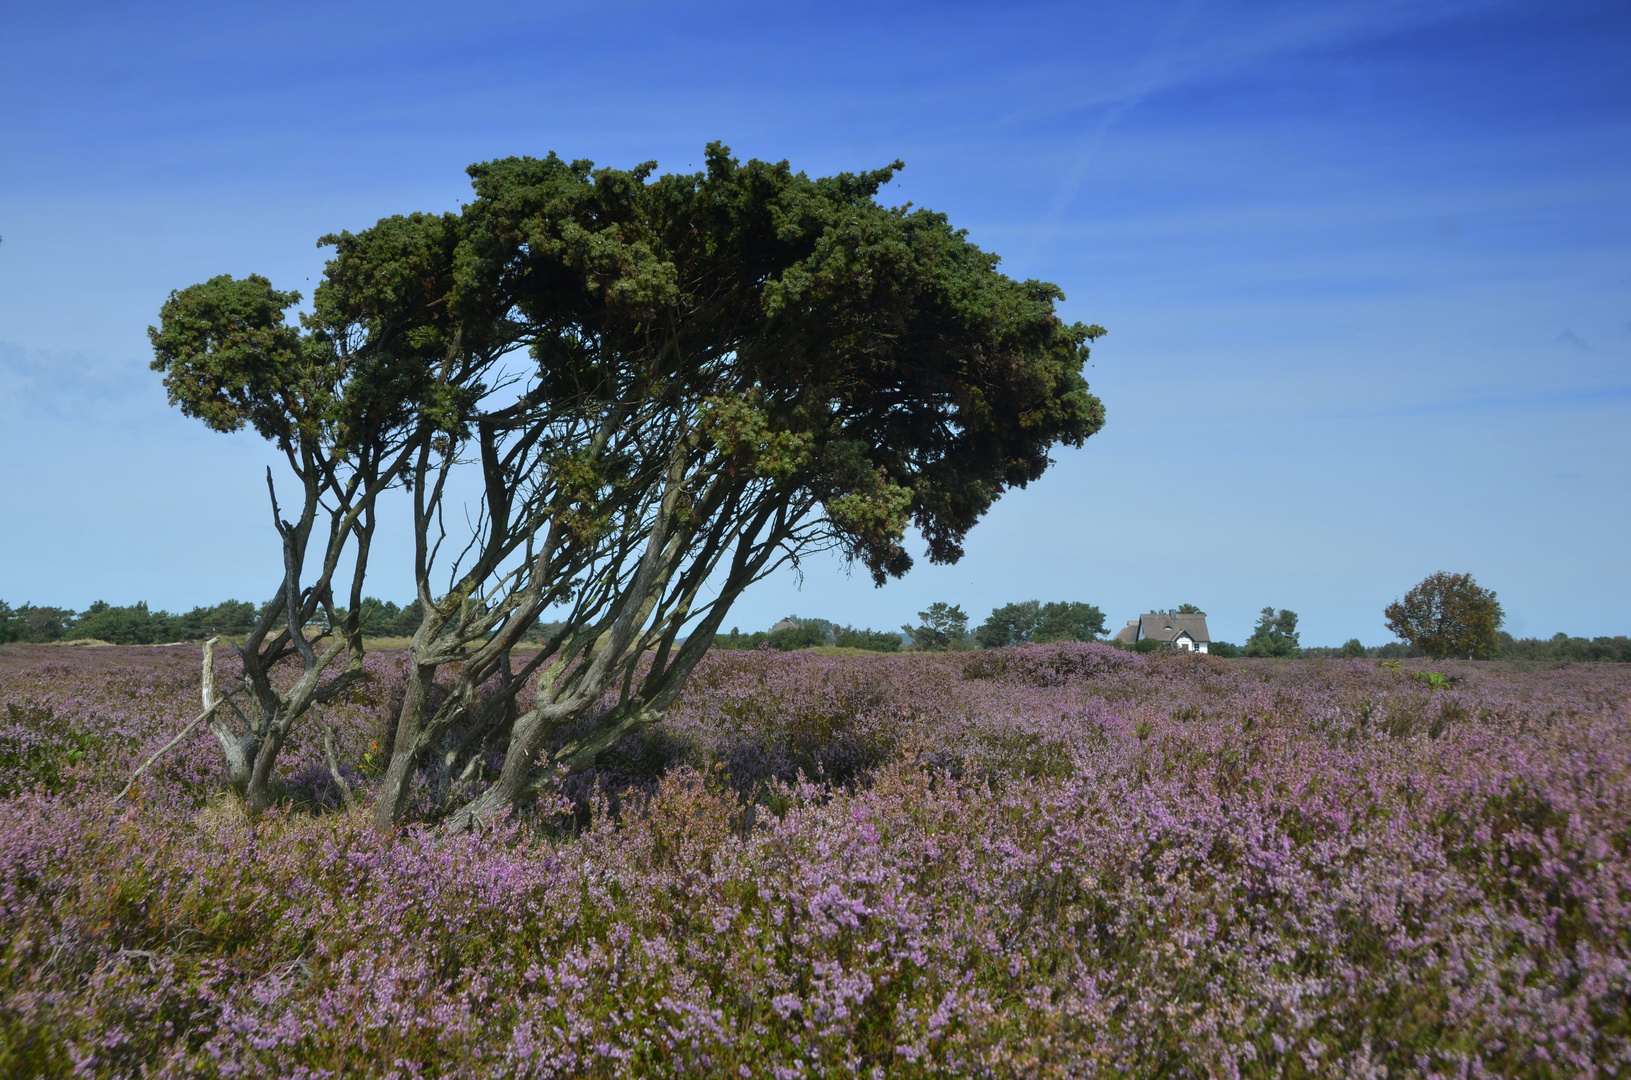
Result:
{"points": [[329, 663], [634, 626], [628, 593]]}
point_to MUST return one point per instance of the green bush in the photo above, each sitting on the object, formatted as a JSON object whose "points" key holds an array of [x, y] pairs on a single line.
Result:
{"points": [[848, 637], [793, 638], [803, 634], [738, 640], [1275, 635]]}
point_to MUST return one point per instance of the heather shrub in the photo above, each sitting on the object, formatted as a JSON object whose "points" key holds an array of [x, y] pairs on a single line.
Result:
{"points": [[33, 749], [848, 637], [1049, 861], [1048, 665]]}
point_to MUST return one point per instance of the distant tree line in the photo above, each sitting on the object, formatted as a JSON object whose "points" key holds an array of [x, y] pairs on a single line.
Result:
{"points": [[133, 625], [383, 619], [941, 627], [1555, 649], [1613, 650], [794, 633], [137, 624]]}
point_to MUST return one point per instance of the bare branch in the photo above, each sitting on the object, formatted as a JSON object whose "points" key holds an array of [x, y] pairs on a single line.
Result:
{"points": [[334, 767], [182, 734]]}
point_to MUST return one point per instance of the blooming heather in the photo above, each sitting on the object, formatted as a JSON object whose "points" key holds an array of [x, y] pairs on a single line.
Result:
{"points": [[1058, 860]]}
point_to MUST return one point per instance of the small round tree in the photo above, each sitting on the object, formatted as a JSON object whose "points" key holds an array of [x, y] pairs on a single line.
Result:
{"points": [[1448, 615]]}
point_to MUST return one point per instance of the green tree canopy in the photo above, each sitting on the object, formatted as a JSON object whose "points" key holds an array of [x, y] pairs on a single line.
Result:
{"points": [[944, 626], [1274, 635], [1448, 615], [1072, 621], [849, 637], [1031, 620], [1011, 624], [28, 622]]}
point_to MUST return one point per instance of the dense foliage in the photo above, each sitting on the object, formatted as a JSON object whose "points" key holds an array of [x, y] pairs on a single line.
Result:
{"points": [[1562, 647], [782, 639], [1032, 620], [1274, 635], [944, 626], [850, 637], [1063, 860], [794, 633], [1448, 615], [133, 625], [137, 624]]}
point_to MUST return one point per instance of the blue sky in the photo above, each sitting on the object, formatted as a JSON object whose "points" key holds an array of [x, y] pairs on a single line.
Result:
{"points": [[1366, 267]]}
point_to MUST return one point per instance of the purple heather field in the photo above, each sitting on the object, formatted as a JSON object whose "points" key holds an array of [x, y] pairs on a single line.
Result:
{"points": [[1047, 861]]}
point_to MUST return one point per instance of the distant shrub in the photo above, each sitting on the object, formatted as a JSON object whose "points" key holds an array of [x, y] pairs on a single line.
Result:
{"points": [[1274, 635], [848, 637], [1032, 620], [944, 628], [1448, 615], [738, 640], [801, 634], [1223, 648], [793, 638]]}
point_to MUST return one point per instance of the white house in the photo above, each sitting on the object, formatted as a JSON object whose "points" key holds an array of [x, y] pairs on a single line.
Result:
{"points": [[1187, 632]]}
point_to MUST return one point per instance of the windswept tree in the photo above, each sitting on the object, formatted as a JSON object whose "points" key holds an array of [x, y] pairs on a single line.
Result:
{"points": [[1448, 615], [668, 388], [734, 368]]}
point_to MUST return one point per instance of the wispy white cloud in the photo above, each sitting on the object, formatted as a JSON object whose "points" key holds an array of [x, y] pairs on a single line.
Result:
{"points": [[1195, 42], [66, 382], [1528, 402]]}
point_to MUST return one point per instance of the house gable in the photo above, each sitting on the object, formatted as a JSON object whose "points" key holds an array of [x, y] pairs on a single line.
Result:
{"points": [[1168, 626]]}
